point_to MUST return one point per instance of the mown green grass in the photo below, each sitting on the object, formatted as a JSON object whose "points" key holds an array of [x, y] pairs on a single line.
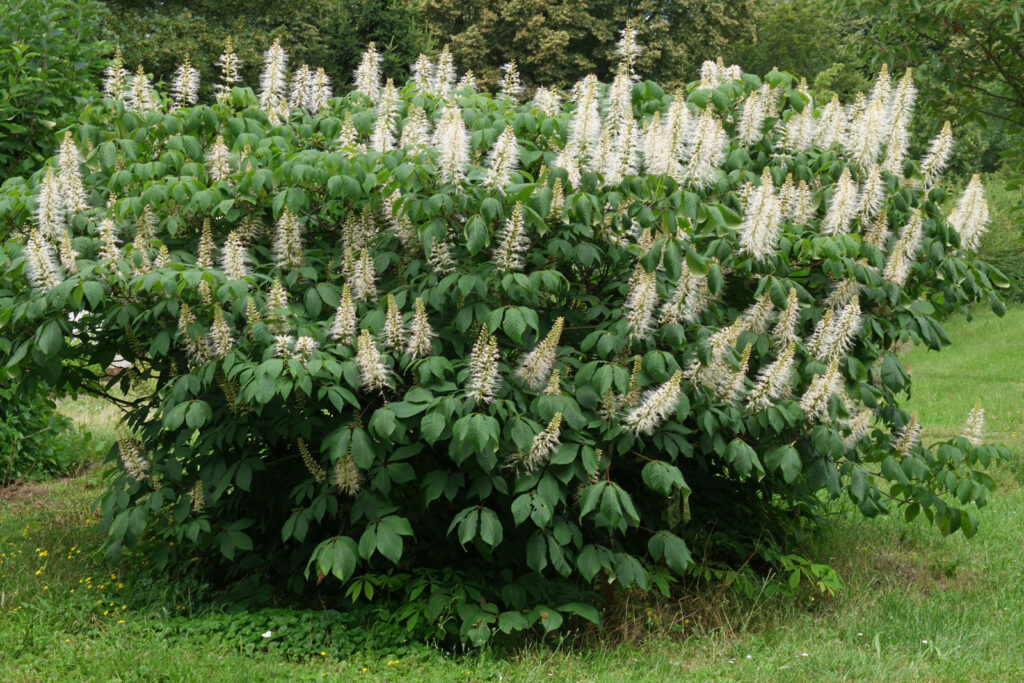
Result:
{"points": [[915, 606]]}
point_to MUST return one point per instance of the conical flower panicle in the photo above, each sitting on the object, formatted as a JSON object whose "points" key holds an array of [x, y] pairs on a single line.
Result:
{"points": [[421, 74], [901, 110], [140, 98], [319, 91], [844, 331], [115, 78], [72, 191], [974, 429], [901, 258], [364, 278], [554, 385], [305, 347], [299, 90], [346, 475], [823, 387], [628, 48], [618, 145], [872, 196], [220, 340], [706, 146], [758, 313], [510, 84], [440, 258], [841, 294], [41, 267], [971, 216], [110, 243], [234, 257], [312, 466], [420, 333], [536, 365], [372, 372], [584, 129], [467, 82], [452, 141], [657, 155], [139, 257], [752, 116], [843, 206], [218, 160], [772, 380], [367, 79], [50, 205], [68, 255], [544, 444], [230, 76], [656, 406], [868, 126], [784, 332], [762, 221], [939, 152], [442, 82], [483, 377], [185, 84], [799, 131], [394, 327], [135, 465], [513, 242], [640, 302], [547, 101], [878, 235], [383, 138], [832, 125], [344, 326], [858, 424], [274, 79], [348, 137], [287, 244], [415, 129], [204, 255], [909, 437], [818, 343], [502, 160]]}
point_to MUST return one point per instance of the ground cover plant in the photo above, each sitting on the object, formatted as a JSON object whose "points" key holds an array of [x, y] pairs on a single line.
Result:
{"points": [[495, 362]]}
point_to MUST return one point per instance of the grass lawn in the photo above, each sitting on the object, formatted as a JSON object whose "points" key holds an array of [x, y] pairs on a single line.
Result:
{"points": [[915, 606]]}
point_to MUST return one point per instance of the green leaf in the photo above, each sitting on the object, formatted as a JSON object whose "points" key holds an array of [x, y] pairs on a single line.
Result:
{"points": [[663, 477], [431, 426], [476, 235], [363, 454], [784, 459], [51, 338]]}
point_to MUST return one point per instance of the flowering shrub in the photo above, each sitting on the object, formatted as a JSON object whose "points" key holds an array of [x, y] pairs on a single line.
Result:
{"points": [[518, 350]]}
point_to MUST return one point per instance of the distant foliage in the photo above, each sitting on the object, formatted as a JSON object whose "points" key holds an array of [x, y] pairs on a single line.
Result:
{"points": [[51, 55], [495, 359], [35, 441]]}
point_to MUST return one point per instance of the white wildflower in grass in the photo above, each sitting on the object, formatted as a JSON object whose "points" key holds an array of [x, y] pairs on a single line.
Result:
{"points": [[784, 332], [831, 125], [344, 326], [383, 138], [415, 129], [220, 340], [707, 146], [440, 258], [68, 255], [484, 377], [367, 79], [421, 74], [628, 48], [547, 101], [364, 278], [772, 380], [41, 267], [444, 76], [319, 91], [758, 313], [971, 216], [204, 255], [842, 207], [373, 375], [115, 78], [656, 406], [937, 158], [110, 243], [901, 258], [218, 160], [752, 116], [909, 437], [287, 243], [230, 76], [502, 160], [234, 257], [858, 424], [544, 444], [872, 195], [50, 205], [420, 332], [823, 387], [536, 366], [513, 242], [185, 84], [140, 98], [974, 429], [394, 327], [640, 302], [72, 191], [510, 84], [451, 138], [762, 221], [346, 476], [274, 79], [901, 110]]}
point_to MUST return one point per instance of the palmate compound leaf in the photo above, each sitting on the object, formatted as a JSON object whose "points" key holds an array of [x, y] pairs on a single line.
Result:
{"points": [[663, 478]]}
